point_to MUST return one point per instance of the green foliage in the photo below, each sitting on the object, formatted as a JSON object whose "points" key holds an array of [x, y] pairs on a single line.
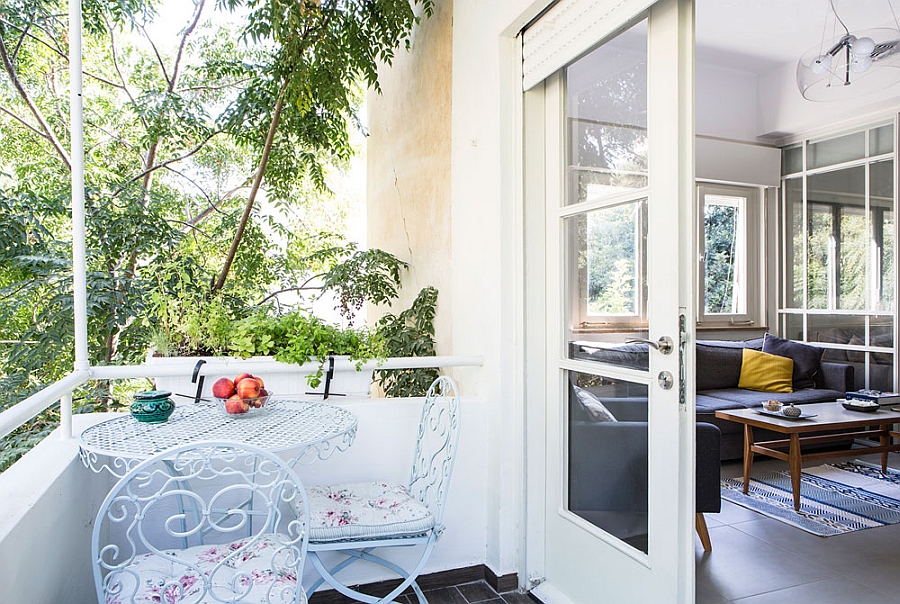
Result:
{"points": [[409, 334], [363, 275]]}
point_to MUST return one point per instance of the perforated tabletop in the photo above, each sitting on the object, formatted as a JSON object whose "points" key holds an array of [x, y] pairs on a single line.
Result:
{"points": [[310, 430]]}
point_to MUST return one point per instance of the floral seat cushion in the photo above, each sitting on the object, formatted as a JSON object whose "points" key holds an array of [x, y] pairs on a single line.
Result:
{"points": [[167, 579], [365, 510]]}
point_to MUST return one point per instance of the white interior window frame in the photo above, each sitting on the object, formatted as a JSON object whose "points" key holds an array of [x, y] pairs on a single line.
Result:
{"points": [[580, 318], [754, 253]]}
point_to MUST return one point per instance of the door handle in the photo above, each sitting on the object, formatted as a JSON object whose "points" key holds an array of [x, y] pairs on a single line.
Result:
{"points": [[665, 344]]}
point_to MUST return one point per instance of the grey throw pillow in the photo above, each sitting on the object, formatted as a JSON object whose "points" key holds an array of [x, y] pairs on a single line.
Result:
{"points": [[594, 409], [807, 359]]}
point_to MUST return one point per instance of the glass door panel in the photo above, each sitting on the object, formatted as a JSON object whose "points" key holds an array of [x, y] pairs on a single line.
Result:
{"points": [[606, 113], [608, 443]]}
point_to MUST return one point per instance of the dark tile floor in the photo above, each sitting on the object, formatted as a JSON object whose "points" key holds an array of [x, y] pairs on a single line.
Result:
{"points": [[474, 592], [469, 593]]}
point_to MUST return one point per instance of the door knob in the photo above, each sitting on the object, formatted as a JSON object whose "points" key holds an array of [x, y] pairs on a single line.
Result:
{"points": [[665, 344]]}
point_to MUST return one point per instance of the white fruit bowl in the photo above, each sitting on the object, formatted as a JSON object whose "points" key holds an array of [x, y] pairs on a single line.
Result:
{"points": [[251, 406]]}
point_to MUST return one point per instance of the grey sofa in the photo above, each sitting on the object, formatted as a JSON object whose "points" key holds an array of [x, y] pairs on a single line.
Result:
{"points": [[718, 374]]}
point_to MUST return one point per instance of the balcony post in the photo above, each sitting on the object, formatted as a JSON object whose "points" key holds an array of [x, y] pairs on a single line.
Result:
{"points": [[76, 111], [65, 416]]}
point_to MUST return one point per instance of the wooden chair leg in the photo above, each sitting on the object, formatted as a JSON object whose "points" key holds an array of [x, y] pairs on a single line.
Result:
{"points": [[703, 532]]}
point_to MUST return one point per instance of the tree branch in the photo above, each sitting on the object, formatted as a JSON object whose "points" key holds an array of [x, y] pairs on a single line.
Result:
{"points": [[248, 207], [14, 78], [172, 160], [173, 82], [22, 121], [290, 289], [62, 55]]}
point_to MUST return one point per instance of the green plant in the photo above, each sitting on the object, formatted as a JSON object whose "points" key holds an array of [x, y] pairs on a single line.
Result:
{"points": [[409, 334]]}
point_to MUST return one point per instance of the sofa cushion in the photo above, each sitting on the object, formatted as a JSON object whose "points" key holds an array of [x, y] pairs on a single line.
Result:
{"points": [[719, 362], [765, 372], [592, 407], [806, 358], [736, 398]]}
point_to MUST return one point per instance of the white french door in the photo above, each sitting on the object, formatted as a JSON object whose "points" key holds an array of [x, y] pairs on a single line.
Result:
{"points": [[617, 191]]}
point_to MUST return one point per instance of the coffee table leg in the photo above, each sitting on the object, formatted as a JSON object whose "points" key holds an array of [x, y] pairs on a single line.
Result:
{"points": [[748, 455], [795, 468], [885, 438]]}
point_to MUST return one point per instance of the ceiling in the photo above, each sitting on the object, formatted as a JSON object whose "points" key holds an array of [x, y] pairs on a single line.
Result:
{"points": [[760, 35]]}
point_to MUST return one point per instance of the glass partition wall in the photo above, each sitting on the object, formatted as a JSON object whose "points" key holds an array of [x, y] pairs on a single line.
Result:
{"points": [[837, 250]]}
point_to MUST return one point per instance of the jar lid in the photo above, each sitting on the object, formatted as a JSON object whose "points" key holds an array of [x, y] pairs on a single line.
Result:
{"points": [[149, 395]]}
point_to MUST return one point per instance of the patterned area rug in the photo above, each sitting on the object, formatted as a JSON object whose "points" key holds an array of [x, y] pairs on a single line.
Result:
{"points": [[834, 499]]}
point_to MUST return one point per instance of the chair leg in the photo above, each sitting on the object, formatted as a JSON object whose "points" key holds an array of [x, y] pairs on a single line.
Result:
{"points": [[703, 532], [409, 578]]}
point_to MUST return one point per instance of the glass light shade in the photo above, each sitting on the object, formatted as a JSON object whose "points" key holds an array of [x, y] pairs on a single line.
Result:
{"points": [[822, 80]]}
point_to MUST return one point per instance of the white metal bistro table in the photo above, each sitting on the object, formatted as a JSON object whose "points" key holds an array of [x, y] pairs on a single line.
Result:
{"points": [[309, 430]]}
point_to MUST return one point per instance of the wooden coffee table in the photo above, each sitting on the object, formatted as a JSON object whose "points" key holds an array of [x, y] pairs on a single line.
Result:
{"points": [[841, 424]]}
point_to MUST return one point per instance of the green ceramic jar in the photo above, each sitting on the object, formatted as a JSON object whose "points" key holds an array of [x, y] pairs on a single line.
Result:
{"points": [[152, 406]]}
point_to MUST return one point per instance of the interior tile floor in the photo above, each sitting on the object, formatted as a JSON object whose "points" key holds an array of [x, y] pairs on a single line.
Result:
{"points": [[757, 560]]}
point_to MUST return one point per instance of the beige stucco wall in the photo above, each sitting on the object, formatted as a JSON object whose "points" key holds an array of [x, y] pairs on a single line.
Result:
{"points": [[408, 163]]}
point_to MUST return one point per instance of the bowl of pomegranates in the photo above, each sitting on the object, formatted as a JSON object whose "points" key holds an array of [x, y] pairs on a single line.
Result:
{"points": [[243, 396]]}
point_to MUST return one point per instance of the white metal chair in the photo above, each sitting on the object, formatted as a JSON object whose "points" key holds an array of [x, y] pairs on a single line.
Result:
{"points": [[202, 523], [356, 518]]}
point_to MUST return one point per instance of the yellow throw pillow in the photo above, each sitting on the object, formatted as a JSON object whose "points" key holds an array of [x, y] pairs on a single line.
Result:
{"points": [[766, 372]]}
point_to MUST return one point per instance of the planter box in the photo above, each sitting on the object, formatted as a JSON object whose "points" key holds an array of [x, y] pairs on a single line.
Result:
{"points": [[282, 379]]}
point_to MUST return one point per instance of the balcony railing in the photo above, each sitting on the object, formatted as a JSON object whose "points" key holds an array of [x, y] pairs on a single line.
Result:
{"points": [[61, 390]]}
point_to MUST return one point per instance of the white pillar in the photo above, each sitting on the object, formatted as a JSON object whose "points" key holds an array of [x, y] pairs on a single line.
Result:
{"points": [[79, 287]]}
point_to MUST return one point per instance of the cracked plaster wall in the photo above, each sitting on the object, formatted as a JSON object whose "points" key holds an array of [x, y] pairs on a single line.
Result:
{"points": [[408, 183]]}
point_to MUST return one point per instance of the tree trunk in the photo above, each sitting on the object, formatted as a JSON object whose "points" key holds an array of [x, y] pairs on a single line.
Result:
{"points": [[248, 207]]}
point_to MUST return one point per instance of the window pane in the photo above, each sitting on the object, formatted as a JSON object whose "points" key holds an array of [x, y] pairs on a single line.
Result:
{"points": [[881, 332], [881, 202], [837, 243], [792, 160], [837, 329], [608, 469], [793, 253], [608, 247], [725, 254], [881, 371], [881, 140], [792, 327], [836, 150], [606, 97]]}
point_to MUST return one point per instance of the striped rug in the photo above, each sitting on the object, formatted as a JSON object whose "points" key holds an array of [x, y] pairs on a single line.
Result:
{"points": [[834, 498]]}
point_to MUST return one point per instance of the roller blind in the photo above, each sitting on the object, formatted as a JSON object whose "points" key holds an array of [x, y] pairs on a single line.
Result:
{"points": [[569, 29]]}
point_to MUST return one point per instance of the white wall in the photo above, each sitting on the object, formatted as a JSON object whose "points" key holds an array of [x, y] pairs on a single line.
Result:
{"points": [[726, 103], [49, 503]]}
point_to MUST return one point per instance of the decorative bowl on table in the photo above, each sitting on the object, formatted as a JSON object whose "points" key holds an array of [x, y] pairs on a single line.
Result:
{"points": [[772, 405], [243, 396], [152, 406], [236, 406]]}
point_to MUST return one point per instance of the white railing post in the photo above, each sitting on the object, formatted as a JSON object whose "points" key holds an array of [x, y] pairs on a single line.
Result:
{"points": [[65, 416], [76, 112]]}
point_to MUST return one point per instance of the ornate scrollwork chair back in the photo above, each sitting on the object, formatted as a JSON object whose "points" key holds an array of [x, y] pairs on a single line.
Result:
{"points": [[203, 523], [356, 518]]}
